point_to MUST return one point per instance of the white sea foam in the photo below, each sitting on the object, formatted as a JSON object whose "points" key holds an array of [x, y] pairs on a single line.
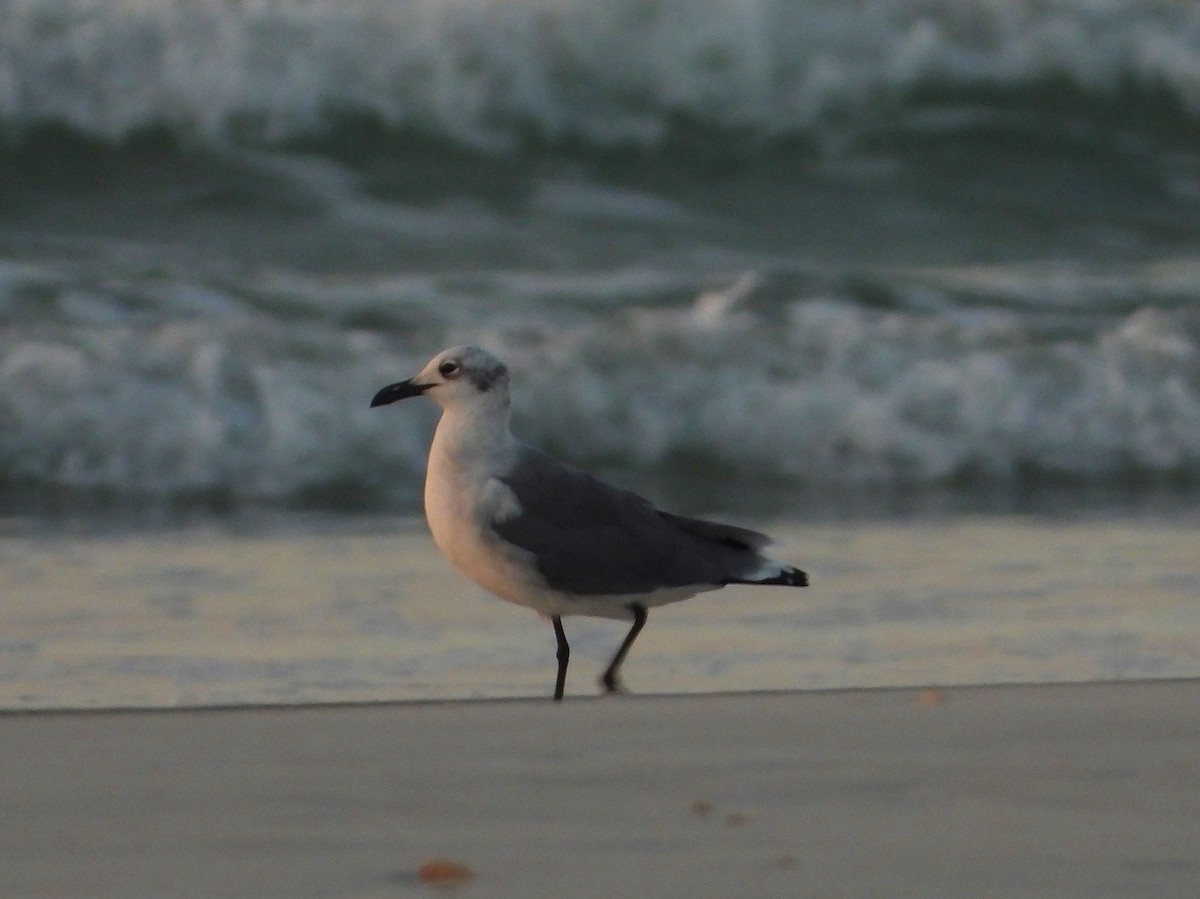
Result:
{"points": [[612, 71], [816, 389]]}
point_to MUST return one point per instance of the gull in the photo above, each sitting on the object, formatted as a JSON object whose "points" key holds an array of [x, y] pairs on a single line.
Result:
{"points": [[542, 534]]}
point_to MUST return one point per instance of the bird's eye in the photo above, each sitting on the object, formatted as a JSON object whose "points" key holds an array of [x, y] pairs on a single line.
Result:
{"points": [[448, 369]]}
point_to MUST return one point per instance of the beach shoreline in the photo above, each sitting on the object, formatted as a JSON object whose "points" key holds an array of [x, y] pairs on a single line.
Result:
{"points": [[931, 694], [369, 610]]}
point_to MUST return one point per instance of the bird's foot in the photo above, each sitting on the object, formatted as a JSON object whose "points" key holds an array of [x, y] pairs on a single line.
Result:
{"points": [[611, 684]]}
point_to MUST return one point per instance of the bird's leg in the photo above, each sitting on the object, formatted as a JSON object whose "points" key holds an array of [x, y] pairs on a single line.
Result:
{"points": [[611, 684], [563, 656]]}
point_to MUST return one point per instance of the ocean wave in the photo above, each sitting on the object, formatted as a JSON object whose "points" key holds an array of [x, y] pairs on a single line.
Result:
{"points": [[170, 390], [496, 73]]}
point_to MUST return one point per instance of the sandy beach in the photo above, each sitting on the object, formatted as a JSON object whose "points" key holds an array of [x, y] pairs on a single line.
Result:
{"points": [[826, 743], [1054, 791]]}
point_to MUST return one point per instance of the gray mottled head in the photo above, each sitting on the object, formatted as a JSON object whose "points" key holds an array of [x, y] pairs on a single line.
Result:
{"points": [[459, 374]]}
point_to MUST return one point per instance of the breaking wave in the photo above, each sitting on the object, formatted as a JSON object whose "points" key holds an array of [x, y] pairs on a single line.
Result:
{"points": [[190, 391], [496, 73]]}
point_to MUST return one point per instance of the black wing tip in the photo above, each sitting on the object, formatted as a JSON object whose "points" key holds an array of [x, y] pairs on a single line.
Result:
{"points": [[788, 577]]}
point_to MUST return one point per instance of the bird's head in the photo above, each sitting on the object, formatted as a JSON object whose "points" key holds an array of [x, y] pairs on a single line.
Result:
{"points": [[457, 375]]}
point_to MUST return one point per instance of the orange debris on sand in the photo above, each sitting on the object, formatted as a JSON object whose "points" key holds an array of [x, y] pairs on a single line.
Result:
{"points": [[443, 872]]}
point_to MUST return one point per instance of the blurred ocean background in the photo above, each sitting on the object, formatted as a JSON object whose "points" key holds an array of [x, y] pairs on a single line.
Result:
{"points": [[816, 245], [775, 260]]}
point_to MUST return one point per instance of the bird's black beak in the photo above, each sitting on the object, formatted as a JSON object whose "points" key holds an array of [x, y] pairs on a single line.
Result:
{"points": [[401, 391]]}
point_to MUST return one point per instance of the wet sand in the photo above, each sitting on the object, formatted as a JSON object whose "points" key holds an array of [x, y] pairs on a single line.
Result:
{"points": [[210, 615], [1055, 791]]}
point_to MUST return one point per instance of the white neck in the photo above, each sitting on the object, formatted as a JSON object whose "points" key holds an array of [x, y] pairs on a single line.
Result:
{"points": [[475, 435]]}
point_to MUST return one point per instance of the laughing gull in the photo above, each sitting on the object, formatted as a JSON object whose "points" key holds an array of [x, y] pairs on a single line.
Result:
{"points": [[542, 534]]}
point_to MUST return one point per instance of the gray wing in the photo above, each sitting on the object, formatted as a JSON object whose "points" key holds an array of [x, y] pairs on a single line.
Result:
{"points": [[592, 539]]}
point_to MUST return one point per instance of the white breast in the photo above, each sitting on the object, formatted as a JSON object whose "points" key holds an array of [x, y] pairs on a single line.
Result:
{"points": [[460, 501]]}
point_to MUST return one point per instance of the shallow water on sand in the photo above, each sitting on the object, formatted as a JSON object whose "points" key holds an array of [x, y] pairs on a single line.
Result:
{"points": [[215, 614]]}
